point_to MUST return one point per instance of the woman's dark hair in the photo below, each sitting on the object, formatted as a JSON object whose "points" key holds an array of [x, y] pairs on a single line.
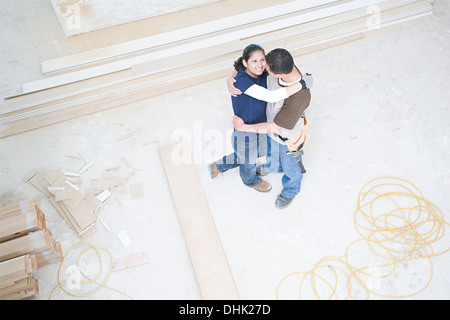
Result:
{"points": [[238, 64], [280, 61]]}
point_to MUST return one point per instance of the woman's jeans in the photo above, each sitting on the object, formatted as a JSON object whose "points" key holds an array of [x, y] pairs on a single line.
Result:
{"points": [[248, 147]]}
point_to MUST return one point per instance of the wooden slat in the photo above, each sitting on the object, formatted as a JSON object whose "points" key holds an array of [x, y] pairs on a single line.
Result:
{"points": [[208, 258], [105, 99], [29, 293], [33, 242], [19, 219], [25, 284], [18, 268]]}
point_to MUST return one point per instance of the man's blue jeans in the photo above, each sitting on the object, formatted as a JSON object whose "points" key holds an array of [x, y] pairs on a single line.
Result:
{"points": [[247, 148], [279, 161]]}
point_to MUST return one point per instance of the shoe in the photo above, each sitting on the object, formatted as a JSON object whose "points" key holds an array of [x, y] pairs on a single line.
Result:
{"points": [[262, 186], [213, 171], [283, 202]]}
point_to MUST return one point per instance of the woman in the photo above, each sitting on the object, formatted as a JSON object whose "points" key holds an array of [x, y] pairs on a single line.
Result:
{"points": [[250, 77]]}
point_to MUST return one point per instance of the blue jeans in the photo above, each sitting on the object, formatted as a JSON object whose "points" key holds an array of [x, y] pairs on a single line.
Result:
{"points": [[247, 148], [279, 161]]}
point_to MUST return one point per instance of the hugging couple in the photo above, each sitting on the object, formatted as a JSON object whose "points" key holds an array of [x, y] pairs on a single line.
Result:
{"points": [[269, 97]]}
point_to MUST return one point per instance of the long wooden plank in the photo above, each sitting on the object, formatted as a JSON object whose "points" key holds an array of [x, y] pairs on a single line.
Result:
{"points": [[17, 268], [361, 26], [136, 84], [207, 255], [31, 243], [13, 273], [124, 64], [24, 284], [17, 226], [153, 87], [17, 208], [158, 84], [30, 292], [59, 114], [162, 65], [166, 38], [19, 219]]}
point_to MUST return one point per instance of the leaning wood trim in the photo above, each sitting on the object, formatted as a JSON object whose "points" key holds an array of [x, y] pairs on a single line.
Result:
{"points": [[281, 23], [153, 67]]}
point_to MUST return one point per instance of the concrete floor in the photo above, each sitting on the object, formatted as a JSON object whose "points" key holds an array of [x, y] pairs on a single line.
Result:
{"points": [[379, 108]]}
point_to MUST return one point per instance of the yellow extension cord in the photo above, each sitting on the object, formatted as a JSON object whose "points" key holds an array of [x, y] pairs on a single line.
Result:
{"points": [[407, 232], [378, 231], [62, 284]]}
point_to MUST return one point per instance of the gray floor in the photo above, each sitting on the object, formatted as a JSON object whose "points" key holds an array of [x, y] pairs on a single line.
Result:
{"points": [[379, 108]]}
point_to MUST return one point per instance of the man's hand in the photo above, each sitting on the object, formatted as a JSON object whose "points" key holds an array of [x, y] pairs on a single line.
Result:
{"points": [[231, 88], [238, 123], [307, 81]]}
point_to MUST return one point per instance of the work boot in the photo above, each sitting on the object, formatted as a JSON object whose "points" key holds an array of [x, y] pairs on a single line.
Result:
{"points": [[213, 171], [283, 202], [262, 186]]}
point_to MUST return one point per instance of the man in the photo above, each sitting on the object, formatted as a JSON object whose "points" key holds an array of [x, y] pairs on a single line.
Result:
{"points": [[285, 125]]}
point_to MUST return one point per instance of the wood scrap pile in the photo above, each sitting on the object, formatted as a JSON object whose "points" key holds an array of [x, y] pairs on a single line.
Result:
{"points": [[78, 199], [25, 246], [79, 210], [92, 81]]}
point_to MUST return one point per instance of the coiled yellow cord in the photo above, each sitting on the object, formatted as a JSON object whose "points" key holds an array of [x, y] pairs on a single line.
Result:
{"points": [[99, 285], [397, 224]]}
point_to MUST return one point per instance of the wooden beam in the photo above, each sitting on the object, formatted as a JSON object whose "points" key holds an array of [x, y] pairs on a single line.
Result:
{"points": [[20, 219], [16, 269], [33, 242], [207, 255]]}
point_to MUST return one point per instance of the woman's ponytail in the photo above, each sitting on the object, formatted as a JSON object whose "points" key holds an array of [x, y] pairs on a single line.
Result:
{"points": [[238, 64]]}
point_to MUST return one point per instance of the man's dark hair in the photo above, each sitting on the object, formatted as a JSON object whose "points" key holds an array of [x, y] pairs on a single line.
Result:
{"points": [[280, 61]]}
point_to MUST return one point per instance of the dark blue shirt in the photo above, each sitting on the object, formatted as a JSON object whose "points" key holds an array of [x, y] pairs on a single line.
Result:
{"points": [[247, 108]]}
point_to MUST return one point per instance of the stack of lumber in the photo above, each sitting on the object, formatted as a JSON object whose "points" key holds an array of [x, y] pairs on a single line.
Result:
{"points": [[19, 219], [96, 80], [25, 246], [16, 278]]}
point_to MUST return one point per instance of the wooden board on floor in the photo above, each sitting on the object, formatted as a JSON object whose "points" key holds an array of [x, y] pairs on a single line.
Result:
{"points": [[208, 257]]}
